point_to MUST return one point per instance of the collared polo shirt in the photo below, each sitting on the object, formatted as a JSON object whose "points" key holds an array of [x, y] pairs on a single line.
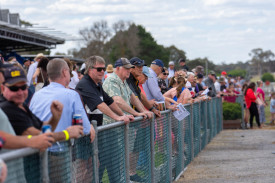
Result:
{"points": [[114, 86], [20, 120], [92, 95]]}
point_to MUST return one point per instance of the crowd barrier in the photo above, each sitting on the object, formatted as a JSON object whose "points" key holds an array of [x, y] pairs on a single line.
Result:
{"points": [[157, 150]]}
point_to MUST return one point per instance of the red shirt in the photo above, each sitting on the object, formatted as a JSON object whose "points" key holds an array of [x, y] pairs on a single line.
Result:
{"points": [[249, 97]]}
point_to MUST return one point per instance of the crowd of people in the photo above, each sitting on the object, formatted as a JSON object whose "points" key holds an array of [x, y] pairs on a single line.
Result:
{"points": [[51, 92]]}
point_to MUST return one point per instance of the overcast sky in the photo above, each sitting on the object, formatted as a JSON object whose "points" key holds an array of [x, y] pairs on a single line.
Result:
{"points": [[224, 31]]}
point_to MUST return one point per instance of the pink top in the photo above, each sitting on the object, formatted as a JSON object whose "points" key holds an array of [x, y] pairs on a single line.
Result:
{"points": [[185, 94], [259, 90]]}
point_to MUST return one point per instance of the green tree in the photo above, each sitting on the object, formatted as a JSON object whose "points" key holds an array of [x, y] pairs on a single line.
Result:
{"points": [[238, 72], [267, 77], [149, 49], [259, 57]]}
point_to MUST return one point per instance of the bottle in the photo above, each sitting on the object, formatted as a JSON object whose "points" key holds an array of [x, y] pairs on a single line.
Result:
{"points": [[46, 128], [77, 120]]}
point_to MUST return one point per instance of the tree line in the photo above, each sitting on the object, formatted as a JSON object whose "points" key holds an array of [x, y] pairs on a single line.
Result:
{"points": [[126, 39]]}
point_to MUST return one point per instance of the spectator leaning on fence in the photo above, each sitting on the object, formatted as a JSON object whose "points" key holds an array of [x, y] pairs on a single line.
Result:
{"points": [[262, 103], [117, 88], [97, 102], [151, 85], [25, 122], [209, 82], [133, 83], [59, 76], [13, 142]]}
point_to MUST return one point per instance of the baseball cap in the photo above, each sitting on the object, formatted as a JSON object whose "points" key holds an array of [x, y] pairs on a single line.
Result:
{"points": [[124, 62], [14, 75], [212, 73], [158, 62], [171, 63], [181, 60], [137, 61], [199, 76], [224, 73], [145, 71]]}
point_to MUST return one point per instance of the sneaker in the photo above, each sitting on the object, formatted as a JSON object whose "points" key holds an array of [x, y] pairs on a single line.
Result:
{"points": [[136, 178]]}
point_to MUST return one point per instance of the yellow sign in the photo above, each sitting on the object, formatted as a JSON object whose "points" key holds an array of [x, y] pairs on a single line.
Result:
{"points": [[15, 73]]}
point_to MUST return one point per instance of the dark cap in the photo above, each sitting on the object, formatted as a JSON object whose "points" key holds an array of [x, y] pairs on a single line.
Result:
{"points": [[199, 76], [158, 62], [14, 75], [182, 60], [124, 62], [137, 61]]}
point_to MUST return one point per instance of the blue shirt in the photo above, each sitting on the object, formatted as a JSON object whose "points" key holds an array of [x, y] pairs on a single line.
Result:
{"points": [[41, 106], [151, 87]]}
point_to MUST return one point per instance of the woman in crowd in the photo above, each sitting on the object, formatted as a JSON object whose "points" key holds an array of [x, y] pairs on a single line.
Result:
{"points": [[246, 110], [109, 70], [262, 103], [41, 74], [250, 99], [230, 94], [180, 93]]}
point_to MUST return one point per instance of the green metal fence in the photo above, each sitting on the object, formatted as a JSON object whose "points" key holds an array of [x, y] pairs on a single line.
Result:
{"points": [[155, 150]]}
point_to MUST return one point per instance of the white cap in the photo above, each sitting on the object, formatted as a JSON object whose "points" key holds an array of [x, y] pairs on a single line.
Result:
{"points": [[171, 63]]}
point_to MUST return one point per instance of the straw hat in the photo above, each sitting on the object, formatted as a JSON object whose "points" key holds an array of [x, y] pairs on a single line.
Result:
{"points": [[110, 68], [38, 56]]}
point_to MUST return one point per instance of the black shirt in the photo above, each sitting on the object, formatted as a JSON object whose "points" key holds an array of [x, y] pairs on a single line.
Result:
{"points": [[93, 95], [185, 67], [20, 119], [133, 84]]}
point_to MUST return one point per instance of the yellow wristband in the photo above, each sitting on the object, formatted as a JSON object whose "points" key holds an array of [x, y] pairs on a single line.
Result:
{"points": [[66, 134], [29, 136], [34, 83]]}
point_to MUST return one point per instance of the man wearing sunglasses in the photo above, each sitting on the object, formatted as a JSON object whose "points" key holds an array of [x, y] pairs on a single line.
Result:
{"points": [[25, 122]]}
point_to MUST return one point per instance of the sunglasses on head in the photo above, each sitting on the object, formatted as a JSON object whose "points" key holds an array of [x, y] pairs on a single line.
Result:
{"points": [[16, 88], [99, 69]]}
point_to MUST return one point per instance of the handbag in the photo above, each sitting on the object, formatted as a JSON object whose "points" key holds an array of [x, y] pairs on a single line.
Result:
{"points": [[259, 101]]}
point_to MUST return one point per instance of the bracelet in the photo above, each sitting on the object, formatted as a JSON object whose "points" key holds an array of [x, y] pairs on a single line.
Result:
{"points": [[66, 134], [34, 83], [29, 136]]}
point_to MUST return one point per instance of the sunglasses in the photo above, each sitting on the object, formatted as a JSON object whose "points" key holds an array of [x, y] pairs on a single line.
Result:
{"points": [[99, 69], [16, 88], [164, 73]]}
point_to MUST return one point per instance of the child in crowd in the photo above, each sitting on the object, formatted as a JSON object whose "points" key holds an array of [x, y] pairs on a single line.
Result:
{"points": [[272, 108]]}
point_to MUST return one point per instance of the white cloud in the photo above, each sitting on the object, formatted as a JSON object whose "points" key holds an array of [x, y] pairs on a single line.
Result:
{"points": [[222, 30]]}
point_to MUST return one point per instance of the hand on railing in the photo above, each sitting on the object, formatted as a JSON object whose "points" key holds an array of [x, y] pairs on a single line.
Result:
{"points": [[126, 118], [42, 142], [156, 112], [92, 133], [149, 114], [142, 114]]}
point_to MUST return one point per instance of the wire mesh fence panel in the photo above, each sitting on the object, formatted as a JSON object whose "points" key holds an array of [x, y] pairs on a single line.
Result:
{"points": [[214, 116], [59, 162], [21, 170], [82, 160], [162, 149], [177, 146], [209, 122], [203, 113], [111, 155], [139, 151], [187, 138], [196, 128]]}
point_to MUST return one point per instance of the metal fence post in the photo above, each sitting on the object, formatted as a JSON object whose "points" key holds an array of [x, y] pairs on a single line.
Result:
{"points": [[243, 125], [95, 154], [152, 144], [127, 155], [200, 125], [45, 170], [170, 147], [192, 133]]}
